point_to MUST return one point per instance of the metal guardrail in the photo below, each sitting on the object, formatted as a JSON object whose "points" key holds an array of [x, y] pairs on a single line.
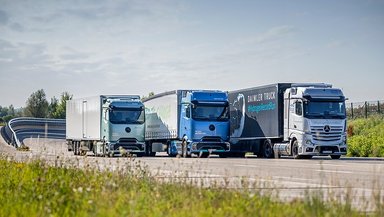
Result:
{"points": [[19, 129]]}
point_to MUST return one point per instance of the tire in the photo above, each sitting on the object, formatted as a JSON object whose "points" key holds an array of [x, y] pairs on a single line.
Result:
{"points": [[76, 148], [267, 149], [239, 155], [203, 154], [148, 150], [335, 157], [295, 150], [184, 148], [139, 154], [223, 155], [236, 154], [169, 151]]}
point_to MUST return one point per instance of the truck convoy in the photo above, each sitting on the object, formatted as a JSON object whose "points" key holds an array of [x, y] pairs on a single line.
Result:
{"points": [[299, 120], [186, 122], [107, 125]]}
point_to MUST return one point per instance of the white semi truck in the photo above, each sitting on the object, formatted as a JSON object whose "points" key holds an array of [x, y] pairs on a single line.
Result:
{"points": [[299, 120], [106, 125]]}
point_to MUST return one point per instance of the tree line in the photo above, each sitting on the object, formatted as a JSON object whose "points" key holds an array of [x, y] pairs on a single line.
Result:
{"points": [[38, 106]]}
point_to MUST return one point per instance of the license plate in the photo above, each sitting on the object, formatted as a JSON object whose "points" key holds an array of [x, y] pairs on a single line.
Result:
{"points": [[327, 152], [211, 150]]}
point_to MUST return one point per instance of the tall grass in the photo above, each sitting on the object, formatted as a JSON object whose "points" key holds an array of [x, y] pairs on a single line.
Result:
{"points": [[366, 137], [36, 189]]}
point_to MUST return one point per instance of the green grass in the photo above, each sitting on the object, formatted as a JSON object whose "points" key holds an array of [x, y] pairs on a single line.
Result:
{"points": [[366, 137], [35, 189]]}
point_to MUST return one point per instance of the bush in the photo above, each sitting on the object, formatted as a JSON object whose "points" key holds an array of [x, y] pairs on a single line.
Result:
{"points": [[366, 137]]}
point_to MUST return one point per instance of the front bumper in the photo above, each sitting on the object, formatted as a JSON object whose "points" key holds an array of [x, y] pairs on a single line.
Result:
{"points": [[124, 147], [323, 150], [210, 147]]}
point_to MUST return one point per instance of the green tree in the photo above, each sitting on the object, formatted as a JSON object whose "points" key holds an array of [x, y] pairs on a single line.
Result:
{"points": [[11, 110], [60, 108], [37, 105], [52, 108]]}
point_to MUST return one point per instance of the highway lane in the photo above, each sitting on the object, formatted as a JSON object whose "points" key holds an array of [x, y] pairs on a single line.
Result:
{"points": [[286, 178]]}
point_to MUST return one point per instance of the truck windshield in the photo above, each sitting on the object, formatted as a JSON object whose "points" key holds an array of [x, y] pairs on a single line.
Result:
{"points": [[324, 110], [210, 113], [126, 116]]}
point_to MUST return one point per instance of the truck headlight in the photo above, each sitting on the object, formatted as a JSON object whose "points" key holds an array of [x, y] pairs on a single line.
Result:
{"points": [[194, 146], [308, 142]]}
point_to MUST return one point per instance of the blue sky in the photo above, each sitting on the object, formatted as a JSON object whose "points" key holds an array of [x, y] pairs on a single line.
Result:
{"points": [[138, 46]]}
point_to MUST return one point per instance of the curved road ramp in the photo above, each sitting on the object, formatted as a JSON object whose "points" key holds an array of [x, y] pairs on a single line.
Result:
{"points": [[19, 129]]}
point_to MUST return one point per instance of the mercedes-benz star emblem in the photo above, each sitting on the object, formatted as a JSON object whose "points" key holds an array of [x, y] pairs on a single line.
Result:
{"points": [[327, 128]]}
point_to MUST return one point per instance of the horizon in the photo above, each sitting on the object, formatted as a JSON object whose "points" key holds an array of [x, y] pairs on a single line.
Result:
{"points": [[136, 47]]}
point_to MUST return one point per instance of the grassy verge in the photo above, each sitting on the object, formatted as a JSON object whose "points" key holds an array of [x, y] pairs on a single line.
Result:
{"points": [[35, 189], [366, 137]]}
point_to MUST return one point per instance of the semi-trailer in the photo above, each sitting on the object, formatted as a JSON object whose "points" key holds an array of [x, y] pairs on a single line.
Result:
{"points": [[186, 122], [107, 125], [300, 120]]}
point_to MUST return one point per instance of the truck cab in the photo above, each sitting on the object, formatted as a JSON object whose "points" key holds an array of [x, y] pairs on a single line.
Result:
{"points": [[122, 126], [314, 121], [204, 123]]}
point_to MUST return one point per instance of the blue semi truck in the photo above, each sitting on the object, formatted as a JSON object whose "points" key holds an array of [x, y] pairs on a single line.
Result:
{"points": [[187, 122]]}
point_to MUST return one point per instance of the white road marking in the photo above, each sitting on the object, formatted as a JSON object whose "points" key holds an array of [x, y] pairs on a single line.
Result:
{"points": [[244, 165], [334, 171]]}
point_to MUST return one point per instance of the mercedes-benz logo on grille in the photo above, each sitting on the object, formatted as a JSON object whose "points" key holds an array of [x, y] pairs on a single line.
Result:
{"points": [[212, 127], [327, 128]]}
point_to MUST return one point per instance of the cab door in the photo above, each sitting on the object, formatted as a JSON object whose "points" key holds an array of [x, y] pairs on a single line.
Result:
{"points": [[185, 121], [296, 114]]}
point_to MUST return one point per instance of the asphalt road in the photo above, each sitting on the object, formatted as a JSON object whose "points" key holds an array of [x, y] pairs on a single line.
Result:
{"points": [[360, 179]]}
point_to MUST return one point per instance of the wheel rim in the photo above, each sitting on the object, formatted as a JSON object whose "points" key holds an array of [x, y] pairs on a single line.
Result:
{"points": [[295, 149], [184, 148], [267, 149]]}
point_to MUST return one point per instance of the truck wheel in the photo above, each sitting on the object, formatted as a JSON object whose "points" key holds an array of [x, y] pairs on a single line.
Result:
{"points": [[267, 150], [76, 148], [223, 155], [203, 154], [169, 152], [184, 150], [139, 154], [148, 150], [335, 157], [295, 150]]}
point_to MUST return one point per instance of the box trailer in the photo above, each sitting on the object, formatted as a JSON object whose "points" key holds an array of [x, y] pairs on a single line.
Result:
{"points": [[106, 125]]}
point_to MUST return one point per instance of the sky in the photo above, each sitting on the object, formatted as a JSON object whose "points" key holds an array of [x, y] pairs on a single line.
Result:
{"points": [[93, 47]]}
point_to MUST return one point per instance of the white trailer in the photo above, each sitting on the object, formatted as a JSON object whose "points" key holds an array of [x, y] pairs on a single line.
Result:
{"points": [[106, 124]]}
